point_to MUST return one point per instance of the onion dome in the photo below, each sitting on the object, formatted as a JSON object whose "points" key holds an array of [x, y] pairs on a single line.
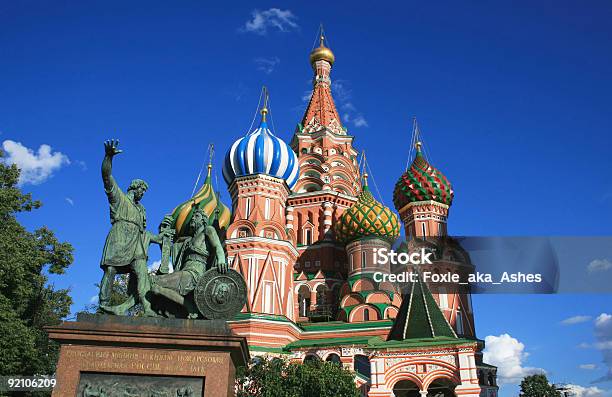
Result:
{"points": [[208, 201], [322, 53], [261, 152], [422, 182], [367, 218]]}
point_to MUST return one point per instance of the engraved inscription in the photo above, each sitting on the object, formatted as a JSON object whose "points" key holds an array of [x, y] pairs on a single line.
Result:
{"points": [[147, 362]]}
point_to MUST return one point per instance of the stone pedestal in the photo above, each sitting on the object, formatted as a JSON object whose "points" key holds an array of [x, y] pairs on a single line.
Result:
{"points": [[152, 357]]}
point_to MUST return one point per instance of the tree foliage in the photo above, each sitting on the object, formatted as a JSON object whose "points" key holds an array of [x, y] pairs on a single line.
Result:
{"points": [[279, 378], [27, 301], [538, 386]]}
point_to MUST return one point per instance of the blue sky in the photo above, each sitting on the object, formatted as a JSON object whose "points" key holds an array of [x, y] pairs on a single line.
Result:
{"points": [[514, 102]]}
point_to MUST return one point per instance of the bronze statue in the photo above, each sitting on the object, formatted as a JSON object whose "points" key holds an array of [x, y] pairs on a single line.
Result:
{"points": [[191, 257], [126, 246], [201, 284]]}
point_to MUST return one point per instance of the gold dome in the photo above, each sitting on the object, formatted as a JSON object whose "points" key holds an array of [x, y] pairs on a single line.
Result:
{"points": [[322, 53]]}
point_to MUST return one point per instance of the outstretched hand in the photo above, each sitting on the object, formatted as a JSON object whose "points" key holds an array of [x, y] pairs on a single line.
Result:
{"points": [[222, 267], [111, 147]]}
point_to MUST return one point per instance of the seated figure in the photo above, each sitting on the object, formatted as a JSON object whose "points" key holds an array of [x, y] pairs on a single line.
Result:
{"points": [[191, 258]]}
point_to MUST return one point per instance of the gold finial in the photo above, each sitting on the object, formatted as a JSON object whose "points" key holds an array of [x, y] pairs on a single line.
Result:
{"points": [[264, 110], [418, 146], [322, 52], [211, 151]]}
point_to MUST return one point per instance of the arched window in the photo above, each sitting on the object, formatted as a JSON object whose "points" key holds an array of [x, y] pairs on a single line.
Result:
{"points": [[333, 358], [481, 378], [321, 295], [364, 259], [366, 314], [304, 300], [361, 365], [308, 236], [443, 298], [247, 207], [267, 209], [312, 174], [459, 323], [244, 232], [311, 358]]}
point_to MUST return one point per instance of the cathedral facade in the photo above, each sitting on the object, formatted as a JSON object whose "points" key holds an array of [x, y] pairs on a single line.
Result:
{"points": [[302, 230]]}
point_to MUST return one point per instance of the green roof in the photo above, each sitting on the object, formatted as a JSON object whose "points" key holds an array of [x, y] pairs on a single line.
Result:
{"points": [[265, 349], [375, 342], [351, 340], [261, 316], [342, 326], [419, 316], [422, 342]]}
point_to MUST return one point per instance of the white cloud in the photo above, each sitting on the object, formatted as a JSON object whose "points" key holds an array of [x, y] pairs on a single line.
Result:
{"points": [[599, 265], [575, 320], [360, 121], [35, 167], [588, 367], [93, 299], [581, 391], [306, 96], [266, 65], [342, 94], [508, 354], [273, 18], [603, 333], [69, 201], [155, 265], [81, 164]]}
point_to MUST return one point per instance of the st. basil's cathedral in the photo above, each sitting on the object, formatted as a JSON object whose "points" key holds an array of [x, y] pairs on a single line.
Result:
{"points": [[301, 231]]}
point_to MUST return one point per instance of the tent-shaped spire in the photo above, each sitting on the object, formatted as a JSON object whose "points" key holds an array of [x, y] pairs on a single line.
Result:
{"points": [[419, 316], [321, 112]]}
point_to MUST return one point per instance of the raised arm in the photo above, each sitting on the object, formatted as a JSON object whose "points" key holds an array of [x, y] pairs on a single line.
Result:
{"points": [[110, 150]]}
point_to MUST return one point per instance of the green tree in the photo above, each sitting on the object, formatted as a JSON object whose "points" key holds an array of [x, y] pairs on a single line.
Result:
{"points": [[538, 386], [27, 301], [279, 378]]}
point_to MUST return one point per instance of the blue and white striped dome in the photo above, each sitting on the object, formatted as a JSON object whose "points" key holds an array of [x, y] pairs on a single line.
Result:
{"points": [[261, 152]]}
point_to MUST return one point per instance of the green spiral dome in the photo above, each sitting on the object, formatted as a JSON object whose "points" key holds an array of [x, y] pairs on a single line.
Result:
{"points": [[367, 218]]}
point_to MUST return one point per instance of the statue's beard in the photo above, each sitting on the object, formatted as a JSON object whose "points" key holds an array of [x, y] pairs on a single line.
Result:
{"points": [[196, 224]]}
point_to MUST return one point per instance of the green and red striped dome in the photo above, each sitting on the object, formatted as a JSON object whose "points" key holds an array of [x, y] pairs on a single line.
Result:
{"points": [[422, 182]]}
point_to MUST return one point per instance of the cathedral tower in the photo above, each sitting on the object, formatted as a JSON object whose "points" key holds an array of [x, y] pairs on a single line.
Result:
{"points": [[260, 170], [328, 184], [423, 196]]}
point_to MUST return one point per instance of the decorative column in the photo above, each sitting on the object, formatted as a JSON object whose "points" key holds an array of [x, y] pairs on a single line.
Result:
{"points": [[289, 218], [469, 379], [327, 221]]}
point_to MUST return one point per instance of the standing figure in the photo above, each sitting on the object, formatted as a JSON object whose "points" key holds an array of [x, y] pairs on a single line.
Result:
{"points": [[126, 246]]}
